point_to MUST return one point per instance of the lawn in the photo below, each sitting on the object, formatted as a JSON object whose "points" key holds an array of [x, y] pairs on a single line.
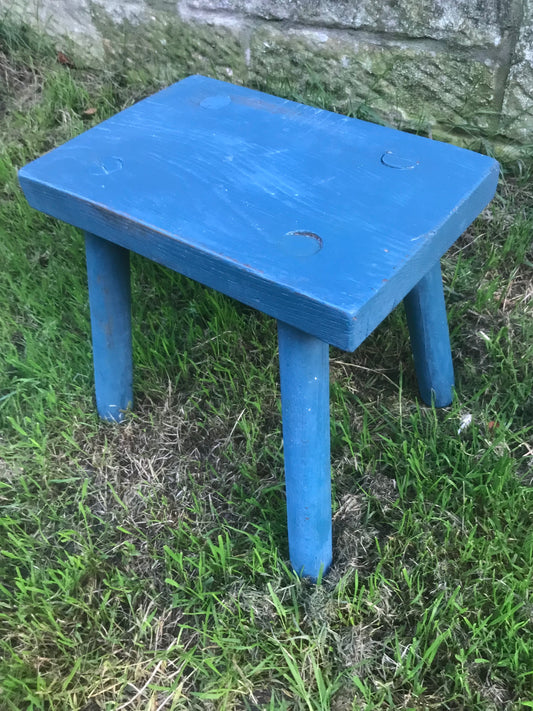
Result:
{"points": [[145, 566]]}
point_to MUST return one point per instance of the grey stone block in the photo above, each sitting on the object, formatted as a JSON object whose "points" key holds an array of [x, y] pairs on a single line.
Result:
{"points": [[70, 18], [461, 22], [517, 113]]}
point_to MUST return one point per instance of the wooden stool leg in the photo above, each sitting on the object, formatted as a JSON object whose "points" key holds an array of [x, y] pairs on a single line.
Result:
{"points": [[430, 340], [304, 374], [108, 275]]}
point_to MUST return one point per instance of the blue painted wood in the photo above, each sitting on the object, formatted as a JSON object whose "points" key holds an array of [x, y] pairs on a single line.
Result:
{"points": [[108, 275], [430, 340], [304, 375], [323, 221]]}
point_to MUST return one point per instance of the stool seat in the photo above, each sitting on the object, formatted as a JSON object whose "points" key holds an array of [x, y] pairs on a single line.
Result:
{"points": [[323, 221]]}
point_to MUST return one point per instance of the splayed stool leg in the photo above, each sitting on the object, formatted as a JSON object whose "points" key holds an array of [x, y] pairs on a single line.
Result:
{"points": [[108, 275], [304, 373], [430, 339]]}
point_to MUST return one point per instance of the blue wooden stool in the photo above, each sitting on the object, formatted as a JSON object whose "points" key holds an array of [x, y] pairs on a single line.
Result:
{"points": [[324, 222]]}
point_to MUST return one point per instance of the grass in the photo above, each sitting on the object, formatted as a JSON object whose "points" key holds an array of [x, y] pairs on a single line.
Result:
{"points": [[145, 567]]}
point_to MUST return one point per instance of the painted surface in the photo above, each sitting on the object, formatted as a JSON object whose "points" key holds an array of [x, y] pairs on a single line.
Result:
{"points": [[319, 220], [322, 221], [304, 376], [430, 340], [108, 275]]}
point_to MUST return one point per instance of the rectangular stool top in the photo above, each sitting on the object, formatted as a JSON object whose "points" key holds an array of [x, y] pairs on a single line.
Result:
{"points": [[322, 221]]}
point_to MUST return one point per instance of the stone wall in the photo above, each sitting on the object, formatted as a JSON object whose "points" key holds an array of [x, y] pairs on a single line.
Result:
{"points": [[459, 67]]}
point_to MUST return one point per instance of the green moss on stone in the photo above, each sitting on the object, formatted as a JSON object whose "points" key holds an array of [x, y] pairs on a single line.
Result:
{"points": [[406, 87]]}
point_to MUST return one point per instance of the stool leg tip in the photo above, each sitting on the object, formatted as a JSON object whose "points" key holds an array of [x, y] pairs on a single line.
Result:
{"points": [[113, 414]]}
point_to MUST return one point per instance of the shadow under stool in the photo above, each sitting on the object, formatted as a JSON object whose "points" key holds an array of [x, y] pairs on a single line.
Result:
{"points": [[324, 222]]}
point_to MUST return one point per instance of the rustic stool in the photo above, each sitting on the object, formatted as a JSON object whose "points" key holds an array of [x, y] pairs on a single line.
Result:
{"points": [[322, 221]]}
